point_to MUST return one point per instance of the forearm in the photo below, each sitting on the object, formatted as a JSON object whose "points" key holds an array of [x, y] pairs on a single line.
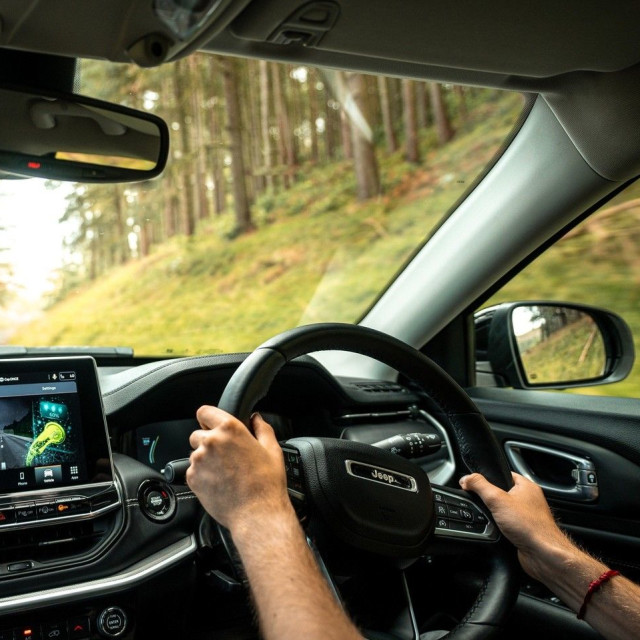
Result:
{"points": [[614, 610], [291, 595]]}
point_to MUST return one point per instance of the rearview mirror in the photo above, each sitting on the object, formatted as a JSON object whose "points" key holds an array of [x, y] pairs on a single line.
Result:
{"points": [[63, 136], [552, 345]]}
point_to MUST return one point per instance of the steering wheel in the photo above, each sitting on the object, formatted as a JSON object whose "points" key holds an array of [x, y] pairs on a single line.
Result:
{"points": [[373, 500]]}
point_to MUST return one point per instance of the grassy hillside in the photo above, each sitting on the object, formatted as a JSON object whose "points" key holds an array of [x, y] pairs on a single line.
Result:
{"points": [[317, 255]]}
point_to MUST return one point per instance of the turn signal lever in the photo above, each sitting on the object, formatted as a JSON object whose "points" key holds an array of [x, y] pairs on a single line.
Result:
{"points": [[411, 445], [175, 471]]}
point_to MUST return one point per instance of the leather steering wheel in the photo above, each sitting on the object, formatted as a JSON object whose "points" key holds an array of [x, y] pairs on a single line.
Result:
{"points": [[327, 464]]}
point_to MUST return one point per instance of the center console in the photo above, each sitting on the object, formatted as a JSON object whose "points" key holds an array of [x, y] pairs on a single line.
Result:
{"points": [[55, 460]]}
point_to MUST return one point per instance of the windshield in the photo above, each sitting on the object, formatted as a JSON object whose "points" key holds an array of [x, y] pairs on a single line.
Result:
{"points": [[292, 195]]}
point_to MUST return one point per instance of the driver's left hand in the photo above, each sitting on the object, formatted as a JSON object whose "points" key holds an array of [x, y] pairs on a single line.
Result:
{"points": [[238, 476]]}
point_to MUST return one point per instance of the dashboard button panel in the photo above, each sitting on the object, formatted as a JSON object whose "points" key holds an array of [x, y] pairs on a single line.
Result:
{"points": [[52, 507]]}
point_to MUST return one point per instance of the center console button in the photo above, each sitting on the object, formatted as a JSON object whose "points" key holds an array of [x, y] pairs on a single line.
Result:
{"points": [[55, 631], [28, 632], [26, 512], [7, 516], [72, 506], [79, 628], [46, 510]]}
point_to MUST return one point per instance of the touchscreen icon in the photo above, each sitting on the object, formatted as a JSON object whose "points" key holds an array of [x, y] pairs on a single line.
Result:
{"points": [[48, 475]]}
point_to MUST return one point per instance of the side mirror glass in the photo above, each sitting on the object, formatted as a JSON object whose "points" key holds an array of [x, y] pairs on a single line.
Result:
{"points": [[558, 344], [62, 136], [548, 345]]}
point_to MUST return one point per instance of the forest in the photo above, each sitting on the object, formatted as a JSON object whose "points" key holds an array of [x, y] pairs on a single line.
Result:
{"points": [[242, 132]]}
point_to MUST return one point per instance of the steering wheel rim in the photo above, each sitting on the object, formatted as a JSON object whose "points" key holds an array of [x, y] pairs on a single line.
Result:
{"points": [[475, 446]]}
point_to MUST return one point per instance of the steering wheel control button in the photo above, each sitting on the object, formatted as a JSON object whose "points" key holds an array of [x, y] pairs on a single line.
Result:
{"points": [[79, 628], [294, 473], [457, 517], [157, 500], [380, 475], [469, 527], [112, 622]]}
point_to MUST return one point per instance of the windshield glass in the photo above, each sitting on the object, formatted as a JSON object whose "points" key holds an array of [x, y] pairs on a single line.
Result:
{"points": [[292, 195]]}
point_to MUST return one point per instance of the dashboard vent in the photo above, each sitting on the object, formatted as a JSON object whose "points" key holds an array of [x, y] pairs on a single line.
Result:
{"points": [[47, 543]]}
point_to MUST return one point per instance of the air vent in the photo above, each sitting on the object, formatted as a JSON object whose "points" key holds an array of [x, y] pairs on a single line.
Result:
{"points": [[47, 543]]}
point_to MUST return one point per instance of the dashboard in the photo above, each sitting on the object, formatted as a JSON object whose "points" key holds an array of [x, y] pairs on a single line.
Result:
{"points": [[94, 543]]}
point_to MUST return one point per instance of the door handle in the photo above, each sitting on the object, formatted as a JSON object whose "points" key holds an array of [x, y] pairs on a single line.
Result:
{"points": [[582, 483]]}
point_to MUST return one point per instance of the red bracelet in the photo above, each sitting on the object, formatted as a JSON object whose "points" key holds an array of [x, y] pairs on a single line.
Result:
{"points": [[593, 587]]}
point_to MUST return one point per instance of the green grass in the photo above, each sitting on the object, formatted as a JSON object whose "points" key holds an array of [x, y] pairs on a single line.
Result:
{"points": [[573, 352]]}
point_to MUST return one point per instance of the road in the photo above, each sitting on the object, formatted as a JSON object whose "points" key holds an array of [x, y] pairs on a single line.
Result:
{"points": [[13, 450]]}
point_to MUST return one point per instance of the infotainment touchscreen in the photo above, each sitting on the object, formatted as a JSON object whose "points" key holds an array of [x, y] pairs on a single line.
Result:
{"points": [[52, 427]]}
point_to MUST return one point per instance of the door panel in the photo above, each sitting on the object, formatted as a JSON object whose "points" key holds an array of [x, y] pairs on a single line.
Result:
{"points": [[604, 431]]}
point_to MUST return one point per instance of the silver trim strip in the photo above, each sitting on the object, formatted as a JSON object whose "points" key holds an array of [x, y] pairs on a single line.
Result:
{"points": [[56, 492], [412, 481], [136, 574]]}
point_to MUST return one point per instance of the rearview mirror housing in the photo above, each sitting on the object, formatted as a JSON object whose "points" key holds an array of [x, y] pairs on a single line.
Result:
{"points": [[64, 136], [552, 345]]}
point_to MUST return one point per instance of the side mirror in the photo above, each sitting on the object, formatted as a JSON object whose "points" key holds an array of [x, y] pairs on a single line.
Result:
{"points": [[63, 136], [552, 345]]}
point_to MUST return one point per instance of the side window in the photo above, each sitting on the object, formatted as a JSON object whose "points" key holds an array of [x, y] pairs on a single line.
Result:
{"points": [[597, 263]]}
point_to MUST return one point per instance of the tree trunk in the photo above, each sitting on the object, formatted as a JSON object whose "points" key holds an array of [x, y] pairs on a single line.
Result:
{"points": [[412, 152], [280, 119], [187, 209], [462, 102], [313, 114], [345, 134], [422, 112], [387, 119], [196, 142], [365, 163], [264, 121], [440, 116], [331, 128], [234, 128], [122, 239]]}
